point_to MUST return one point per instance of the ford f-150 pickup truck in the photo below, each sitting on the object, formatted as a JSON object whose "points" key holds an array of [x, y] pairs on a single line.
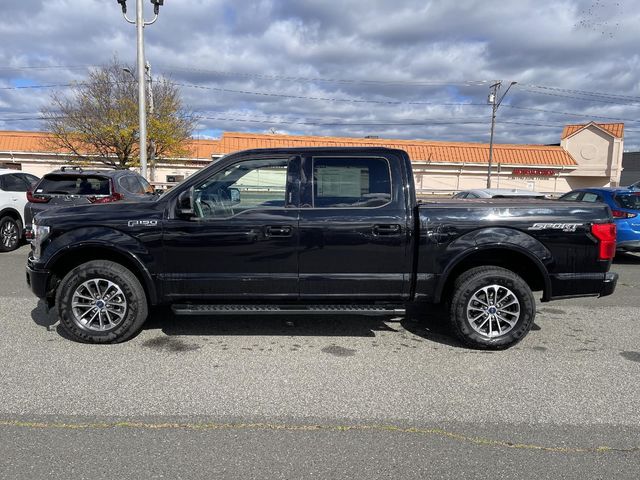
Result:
{"points": [[318, 230]]}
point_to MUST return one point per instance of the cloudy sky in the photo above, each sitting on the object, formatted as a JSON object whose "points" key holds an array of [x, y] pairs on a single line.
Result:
{"points": [[391, 68]]}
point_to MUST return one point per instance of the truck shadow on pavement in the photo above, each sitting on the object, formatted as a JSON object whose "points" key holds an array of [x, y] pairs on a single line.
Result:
{"points": [[426, 322], [626, 259], [267, 325]]}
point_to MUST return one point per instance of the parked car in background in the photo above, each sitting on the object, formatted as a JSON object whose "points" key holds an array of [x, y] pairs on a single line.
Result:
{"points": [[625, 206], [14, 185], [498, 193], [76, 186]]}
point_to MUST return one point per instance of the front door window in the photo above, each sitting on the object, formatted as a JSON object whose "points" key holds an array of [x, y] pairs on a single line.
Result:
{"points": [[250, 185]]}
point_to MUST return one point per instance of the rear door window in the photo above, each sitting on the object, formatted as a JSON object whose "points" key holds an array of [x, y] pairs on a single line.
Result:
{"points": [[630, 202], [31, 180], [591, 197], [74, 185], [13, 182], [571, 197], [351, 182], [131, 184], [146, 186]]}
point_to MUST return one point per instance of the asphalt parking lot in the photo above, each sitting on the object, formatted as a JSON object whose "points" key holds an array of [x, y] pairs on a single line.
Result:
{"points": [[228, 397]]}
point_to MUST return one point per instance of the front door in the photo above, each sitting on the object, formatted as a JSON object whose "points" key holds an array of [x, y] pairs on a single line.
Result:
{"points": [[242, 242]]}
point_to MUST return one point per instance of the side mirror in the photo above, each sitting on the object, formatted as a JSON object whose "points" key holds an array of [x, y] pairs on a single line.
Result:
{"points": [[234, 194], [184, 208], [158, 191]]}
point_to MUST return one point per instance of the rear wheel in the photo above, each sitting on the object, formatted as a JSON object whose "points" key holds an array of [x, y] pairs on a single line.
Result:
{"points": [[10, 234], [491, 308], [101, 302]]}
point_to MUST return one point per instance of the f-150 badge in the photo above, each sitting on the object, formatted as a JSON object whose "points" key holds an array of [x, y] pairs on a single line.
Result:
{"points": [[565, 227], [142, 223]]}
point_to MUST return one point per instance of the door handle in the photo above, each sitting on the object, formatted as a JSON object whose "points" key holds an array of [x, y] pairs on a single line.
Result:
{"points": [[393, 229], [278, 231]]}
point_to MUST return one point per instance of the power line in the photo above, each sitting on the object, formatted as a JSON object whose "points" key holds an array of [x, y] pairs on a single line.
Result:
{"points": [[328, 80], [50, 67], [25, 87], [325, 99], [585, 92], [571, 114], [533, 88], [630, 104]]}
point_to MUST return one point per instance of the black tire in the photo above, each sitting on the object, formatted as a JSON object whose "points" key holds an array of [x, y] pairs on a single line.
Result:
{"points": [[133, 315], [465, 306], [10, 234]]}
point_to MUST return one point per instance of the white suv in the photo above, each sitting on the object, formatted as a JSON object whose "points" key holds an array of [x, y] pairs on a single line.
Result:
{"points": [[13, 197]]}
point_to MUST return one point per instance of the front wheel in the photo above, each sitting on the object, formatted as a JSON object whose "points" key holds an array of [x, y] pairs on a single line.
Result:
{"points": [[101, 302], [491, 308]]}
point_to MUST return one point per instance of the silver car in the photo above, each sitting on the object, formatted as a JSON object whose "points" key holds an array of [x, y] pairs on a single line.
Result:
{"points": [[498, 193]]}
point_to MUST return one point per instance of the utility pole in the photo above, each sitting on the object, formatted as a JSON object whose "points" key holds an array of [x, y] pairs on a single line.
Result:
{"points": [[140, 23], [495, 103], [152, 142]]}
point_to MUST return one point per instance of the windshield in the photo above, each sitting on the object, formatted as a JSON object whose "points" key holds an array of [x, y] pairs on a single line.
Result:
{"points": [[74, 185], [630, 202]]}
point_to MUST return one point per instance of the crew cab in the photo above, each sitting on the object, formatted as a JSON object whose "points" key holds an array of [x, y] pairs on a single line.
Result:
{"points": [[318, 230]]}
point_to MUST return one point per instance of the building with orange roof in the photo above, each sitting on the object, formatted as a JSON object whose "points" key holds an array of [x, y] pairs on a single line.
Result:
{"points": [[588, 155]]}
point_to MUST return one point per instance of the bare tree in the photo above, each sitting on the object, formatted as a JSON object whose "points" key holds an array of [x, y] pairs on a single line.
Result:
{"points": [[98, 119]]}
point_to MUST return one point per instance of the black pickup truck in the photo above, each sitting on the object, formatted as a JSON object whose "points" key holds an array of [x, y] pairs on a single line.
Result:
{"points": [[323, 230]]}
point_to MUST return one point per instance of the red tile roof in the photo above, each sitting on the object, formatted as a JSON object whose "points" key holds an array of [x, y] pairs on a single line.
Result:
{"points": [[36, 142], [418, 150], [615, 129]]}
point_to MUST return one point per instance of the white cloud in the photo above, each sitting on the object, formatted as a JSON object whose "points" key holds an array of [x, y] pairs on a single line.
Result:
{"points": [[276, 46]]}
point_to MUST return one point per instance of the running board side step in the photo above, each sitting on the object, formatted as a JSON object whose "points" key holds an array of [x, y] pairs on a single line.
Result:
{"points": [[190, 309]]}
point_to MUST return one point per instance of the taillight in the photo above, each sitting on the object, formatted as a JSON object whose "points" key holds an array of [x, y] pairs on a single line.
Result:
{"points": [[621, 214], [114, 197], [36, 198], [606, 235]]}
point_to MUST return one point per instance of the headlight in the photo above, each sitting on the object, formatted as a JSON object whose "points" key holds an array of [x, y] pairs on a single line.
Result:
{"points": [[40, 232]]}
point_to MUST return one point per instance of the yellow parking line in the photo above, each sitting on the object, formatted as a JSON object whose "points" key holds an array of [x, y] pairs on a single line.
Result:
{"points": [[309, 428]]}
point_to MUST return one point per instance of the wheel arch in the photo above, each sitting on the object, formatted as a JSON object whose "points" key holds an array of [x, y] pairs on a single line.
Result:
{"points": [[13, 213], [512, 257], [67, 260]]}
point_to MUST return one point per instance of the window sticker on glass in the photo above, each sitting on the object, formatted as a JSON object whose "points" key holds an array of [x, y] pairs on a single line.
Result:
{"points": [[360, 182], [340, 181]]}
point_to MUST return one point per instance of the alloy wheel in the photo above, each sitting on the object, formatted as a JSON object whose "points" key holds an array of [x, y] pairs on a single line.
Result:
{"points": [[98, 305], [493, 311], [9, 234]]}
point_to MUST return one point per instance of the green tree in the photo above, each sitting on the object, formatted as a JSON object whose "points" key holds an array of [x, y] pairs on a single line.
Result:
{"points": [[98, 119]]}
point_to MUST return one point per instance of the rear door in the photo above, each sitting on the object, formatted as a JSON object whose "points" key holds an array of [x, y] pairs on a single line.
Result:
{"points": [[15, 187], [353, 230]]}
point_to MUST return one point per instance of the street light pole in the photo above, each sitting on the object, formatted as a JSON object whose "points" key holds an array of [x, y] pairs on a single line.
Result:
{"points": [[495, 103], [142, 94]]}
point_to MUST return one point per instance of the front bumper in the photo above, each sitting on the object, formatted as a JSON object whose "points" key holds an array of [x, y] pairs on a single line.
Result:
{"points": [[38, 280]]}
